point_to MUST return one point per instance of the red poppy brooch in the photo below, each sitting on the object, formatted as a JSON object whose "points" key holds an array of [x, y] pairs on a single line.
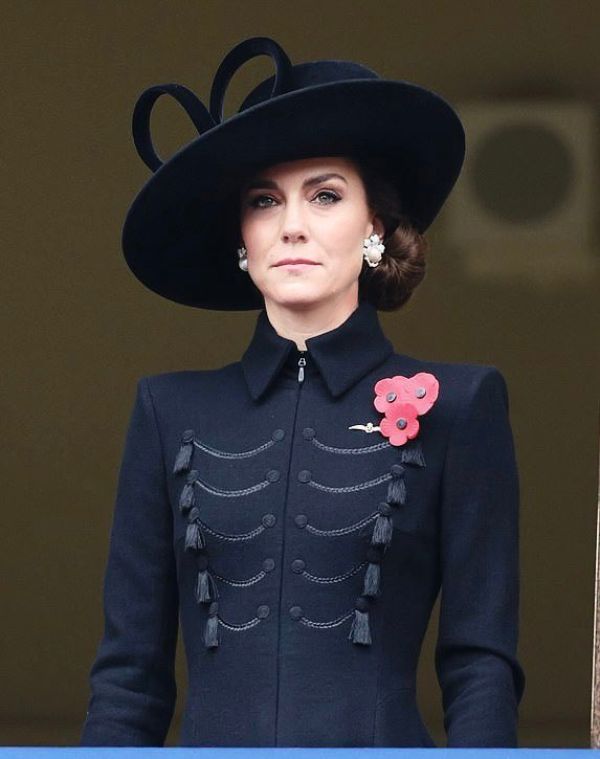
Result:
{"points": [[402, 400]]}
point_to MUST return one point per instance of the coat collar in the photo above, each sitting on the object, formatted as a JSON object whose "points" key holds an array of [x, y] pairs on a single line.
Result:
{"points": [[342, 356]]}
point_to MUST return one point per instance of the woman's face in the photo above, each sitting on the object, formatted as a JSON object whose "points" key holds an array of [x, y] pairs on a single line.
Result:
{"points": [[311, 211]]}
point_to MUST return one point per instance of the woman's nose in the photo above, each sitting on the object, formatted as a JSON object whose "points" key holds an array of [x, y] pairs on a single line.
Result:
{"points": [[293, 227], [293, 235]]}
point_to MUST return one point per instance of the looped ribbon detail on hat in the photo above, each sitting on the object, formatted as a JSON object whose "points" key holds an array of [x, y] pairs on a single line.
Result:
{"points": [[202, 118], [240, 54], [142, 138]]}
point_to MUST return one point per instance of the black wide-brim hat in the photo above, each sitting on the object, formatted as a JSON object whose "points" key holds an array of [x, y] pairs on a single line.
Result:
{"points": [[181, 233]]}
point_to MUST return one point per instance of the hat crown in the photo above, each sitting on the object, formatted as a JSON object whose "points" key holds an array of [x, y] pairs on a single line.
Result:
{"points": [[310, 74]]}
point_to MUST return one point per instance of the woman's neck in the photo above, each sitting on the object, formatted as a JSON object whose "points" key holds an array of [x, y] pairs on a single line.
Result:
{"points": [[299, 324]]}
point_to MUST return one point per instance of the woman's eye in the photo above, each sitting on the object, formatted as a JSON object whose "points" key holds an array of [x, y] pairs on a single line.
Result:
{"points": [[331, 197], [324, 198], [256, 202]]}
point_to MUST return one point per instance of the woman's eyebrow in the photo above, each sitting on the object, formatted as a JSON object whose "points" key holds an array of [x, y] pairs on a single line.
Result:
{"points": [[261, 183]]}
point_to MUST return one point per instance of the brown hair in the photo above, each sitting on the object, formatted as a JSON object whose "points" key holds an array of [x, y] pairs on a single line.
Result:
{"points": [[390, 284]]}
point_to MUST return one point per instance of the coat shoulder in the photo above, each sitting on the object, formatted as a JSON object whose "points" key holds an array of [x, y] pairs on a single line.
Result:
{"points": [[448, 368], [459, 381], [452, 372], [188, 382]]}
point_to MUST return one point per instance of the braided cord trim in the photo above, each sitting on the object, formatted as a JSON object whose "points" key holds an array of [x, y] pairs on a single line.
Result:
{"points": [[326, 625], [232, 493], [335, 578], [351, 488], [351, 451], [343, 530], [232, 538], [239, 628], [233, 454], [241, 583]]}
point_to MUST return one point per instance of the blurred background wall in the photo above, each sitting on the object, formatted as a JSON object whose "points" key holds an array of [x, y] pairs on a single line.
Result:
{"points": [[79, 329]]}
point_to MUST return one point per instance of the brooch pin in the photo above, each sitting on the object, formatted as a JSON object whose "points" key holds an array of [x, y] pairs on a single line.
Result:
{"points": [[402, 400]]}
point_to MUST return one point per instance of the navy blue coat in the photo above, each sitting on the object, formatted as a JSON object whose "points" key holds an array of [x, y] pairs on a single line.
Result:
{"points": [[302, 559]]}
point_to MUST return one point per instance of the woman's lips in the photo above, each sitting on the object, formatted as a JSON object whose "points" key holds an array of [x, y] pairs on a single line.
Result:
{"points": [[296, 264]]}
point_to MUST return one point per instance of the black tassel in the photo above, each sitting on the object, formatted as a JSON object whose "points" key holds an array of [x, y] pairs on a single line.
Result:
{"points": [[206, 589], [372, 580], [194, 538], [211, 631], [359, 631], [186, 499], [413, 455], [397, 486], [184, 455], [383, 529]]}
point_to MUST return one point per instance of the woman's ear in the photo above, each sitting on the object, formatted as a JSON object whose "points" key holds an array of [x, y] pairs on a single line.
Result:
{"points": [[378, 227]]}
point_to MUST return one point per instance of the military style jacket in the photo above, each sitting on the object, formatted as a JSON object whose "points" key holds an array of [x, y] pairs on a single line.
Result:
{"points": [[301, 554]]}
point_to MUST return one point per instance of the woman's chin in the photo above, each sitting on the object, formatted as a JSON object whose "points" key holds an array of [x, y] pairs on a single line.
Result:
{"points": [[295, 297]]}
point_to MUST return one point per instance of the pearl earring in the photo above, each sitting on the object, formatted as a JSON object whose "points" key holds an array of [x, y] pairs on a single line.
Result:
{"points": [[242, 258], [373, 249]]}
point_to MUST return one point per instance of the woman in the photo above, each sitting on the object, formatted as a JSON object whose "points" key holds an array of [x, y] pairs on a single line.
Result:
{"points": [[300, 509]]}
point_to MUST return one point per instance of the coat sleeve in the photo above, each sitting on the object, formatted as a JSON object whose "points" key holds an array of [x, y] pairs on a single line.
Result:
{"points": [[476, 662], [132, 680]]}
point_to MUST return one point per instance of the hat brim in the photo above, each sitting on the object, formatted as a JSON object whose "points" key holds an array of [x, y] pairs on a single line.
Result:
{"points": [[177, 234]]}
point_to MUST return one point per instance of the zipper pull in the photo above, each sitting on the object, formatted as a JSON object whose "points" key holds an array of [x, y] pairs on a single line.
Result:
{"points": [[301, 365]]}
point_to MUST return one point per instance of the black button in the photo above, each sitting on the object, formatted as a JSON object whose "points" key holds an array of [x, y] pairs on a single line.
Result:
{"points": [[390, 397], [194, 514], [301, 520], [397, 469], [298, 566], [273, 475], [192, 476], [187, 436], [308, 433], [296, 612], [401, 423], [278, 434], [263, 611], [420, 392], [268, 565], [304, 475], [269, 520]]}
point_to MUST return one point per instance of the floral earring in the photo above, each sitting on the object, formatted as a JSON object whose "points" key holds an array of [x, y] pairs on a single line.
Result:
{"points": [[242, 258], [373, 249]]}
